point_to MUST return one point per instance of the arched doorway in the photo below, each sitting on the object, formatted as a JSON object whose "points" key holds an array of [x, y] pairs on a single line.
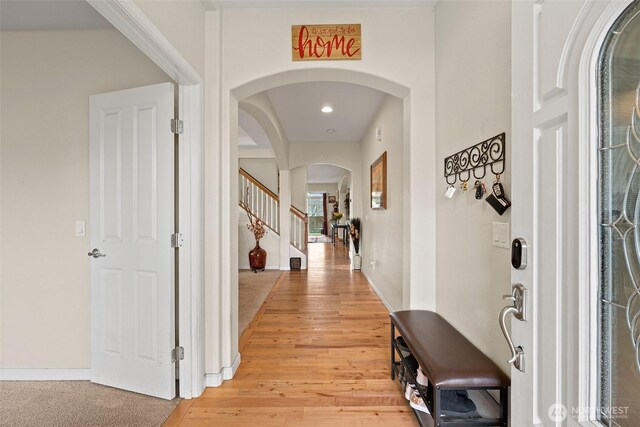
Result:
{"points": [[240, 97], [326, 188]]}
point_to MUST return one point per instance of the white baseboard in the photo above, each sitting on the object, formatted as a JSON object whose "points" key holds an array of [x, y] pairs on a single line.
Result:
{"points": [[213, 380], [226, 373], [377, 291], [9, 374]]}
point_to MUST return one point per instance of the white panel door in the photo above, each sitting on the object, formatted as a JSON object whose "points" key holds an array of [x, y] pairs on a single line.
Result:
{"points": [[545, 163], [131, 222], [555, 46]]}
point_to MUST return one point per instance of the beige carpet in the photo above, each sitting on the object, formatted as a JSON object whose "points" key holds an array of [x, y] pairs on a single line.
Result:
{"points": [[78, 403], [253, 289]]}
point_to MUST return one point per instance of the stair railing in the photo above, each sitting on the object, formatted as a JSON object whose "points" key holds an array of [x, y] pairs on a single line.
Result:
{"points": [[265, 204], [299, 222], [262, 202]]}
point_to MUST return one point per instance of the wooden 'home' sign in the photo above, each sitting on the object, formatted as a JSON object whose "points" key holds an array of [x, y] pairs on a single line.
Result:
{"points": [[326, 42]]}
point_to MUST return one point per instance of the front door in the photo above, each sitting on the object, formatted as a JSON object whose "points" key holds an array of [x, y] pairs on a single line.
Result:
{"points": [[131, 222], [547, 214], [557, 169]]}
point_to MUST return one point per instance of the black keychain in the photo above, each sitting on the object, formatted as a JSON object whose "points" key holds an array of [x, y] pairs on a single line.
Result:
{"points": [[480, 189], [497, 199]]}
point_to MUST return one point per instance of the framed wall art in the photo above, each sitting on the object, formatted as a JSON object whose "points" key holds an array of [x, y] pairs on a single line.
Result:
{"points": [[379, 182]]}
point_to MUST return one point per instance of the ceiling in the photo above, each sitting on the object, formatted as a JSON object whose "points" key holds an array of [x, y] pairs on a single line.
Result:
{"points": [[298, 110], [49, 15], [236, 4], [325, 174]]}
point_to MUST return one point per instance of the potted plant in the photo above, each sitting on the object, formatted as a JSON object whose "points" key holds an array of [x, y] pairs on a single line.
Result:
{"points": [[257, 255], [336, 216], [354, 232]]}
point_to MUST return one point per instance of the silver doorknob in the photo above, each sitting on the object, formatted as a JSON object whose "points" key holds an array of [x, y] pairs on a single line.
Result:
{"points": [[96, 253]]}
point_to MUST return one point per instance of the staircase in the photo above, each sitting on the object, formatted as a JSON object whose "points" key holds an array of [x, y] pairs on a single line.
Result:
{"points": [[265, 204]]}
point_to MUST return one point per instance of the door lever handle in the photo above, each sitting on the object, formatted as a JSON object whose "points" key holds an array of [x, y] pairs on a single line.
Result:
{"points": [[518, 308], [503, 316], [96, 253]]}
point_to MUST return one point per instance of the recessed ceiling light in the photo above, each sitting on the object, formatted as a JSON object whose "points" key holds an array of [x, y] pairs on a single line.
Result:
{"points": [[331, 130], [327, 109]]}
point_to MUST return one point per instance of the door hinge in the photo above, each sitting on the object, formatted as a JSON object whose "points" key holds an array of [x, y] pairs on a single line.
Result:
{"points": [[177, 126], [177, 240], [177, 354]]}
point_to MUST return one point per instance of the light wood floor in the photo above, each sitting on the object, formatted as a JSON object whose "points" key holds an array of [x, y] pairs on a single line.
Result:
{"points": [[317, 354]]}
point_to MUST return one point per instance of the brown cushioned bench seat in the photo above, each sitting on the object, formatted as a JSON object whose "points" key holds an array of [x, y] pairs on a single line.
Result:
{"points": [[449, 359]]}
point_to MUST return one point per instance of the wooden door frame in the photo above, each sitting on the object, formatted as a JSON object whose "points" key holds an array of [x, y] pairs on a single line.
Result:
{"points": [[131, 21]]}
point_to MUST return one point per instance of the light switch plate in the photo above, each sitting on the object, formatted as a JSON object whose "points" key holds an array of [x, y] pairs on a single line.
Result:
{"points": [[81, 229], [500, 237]]}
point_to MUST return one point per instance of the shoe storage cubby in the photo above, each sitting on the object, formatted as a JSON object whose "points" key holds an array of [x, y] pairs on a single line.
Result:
{"points": [[460, 385]]}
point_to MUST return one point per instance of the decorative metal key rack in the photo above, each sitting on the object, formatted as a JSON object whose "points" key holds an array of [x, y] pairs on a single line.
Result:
{"points": [[475, 160]]}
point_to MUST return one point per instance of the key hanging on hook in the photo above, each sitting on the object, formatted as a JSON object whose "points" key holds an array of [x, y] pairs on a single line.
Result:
{"points": [[450, 191], [498, 189], [480, 189], [463, 185], [498, 200]]}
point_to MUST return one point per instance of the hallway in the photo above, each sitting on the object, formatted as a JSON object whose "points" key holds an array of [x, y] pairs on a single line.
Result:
{"points": [[317, 354]]}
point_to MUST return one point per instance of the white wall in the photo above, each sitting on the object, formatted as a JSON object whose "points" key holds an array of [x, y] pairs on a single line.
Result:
{"points": [[381, 230], [299, 188], [46, 81], [264, 170], [330, 188], [182, 22], [473, 75], [259, 107], [255, 153], [254, 46]]}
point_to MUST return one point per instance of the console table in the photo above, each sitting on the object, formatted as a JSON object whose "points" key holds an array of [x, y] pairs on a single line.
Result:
{"points": [[334, 233]]}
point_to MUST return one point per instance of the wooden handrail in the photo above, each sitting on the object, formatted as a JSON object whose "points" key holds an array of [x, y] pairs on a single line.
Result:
{"points": [[297, 212], [259, 185]]}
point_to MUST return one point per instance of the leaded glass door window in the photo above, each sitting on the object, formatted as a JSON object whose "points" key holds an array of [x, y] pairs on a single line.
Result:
{"points": [[619, 211]]}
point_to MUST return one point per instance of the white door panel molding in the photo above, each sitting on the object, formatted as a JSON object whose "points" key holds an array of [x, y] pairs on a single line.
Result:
{"points": [[132, 220]]}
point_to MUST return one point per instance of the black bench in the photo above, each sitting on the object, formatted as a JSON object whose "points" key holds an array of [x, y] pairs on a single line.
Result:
{"points": [[450, 362]]}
